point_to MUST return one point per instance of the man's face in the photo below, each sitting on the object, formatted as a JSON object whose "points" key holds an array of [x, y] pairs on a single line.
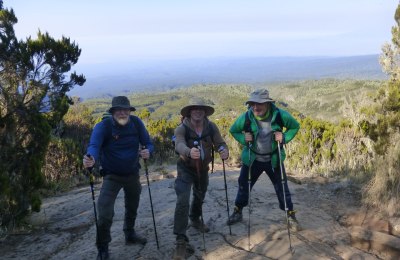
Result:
{"points": [[259, 109], [121, 115], [197, 113]]}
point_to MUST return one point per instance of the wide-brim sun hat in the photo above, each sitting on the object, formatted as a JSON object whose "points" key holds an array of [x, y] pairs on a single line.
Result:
{"points": [[197, 103], [260, 96], [120, 102]]}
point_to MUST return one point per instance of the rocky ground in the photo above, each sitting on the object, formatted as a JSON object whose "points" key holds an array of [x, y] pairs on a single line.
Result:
{"points": [[334, 225]]}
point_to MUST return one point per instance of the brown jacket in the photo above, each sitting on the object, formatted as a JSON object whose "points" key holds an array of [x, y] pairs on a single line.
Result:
{"points": [[183, 146]]}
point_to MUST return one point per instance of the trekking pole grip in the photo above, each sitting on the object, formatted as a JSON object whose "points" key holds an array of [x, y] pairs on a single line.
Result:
{"points": [[145, 161], [90, 171]]}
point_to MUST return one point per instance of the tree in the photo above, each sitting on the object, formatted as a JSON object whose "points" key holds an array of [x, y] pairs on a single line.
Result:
{"points": [[33, 100], [384, 129], [387, 111]]}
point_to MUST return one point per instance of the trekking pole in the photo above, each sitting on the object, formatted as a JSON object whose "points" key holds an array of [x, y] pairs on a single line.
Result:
{"points": [[91, 182], [284, 196], [198, 167], [151, 201], [247, 129], [249, 182], [226, 189]]}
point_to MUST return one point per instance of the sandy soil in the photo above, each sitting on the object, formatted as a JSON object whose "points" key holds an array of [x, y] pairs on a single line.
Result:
{"points": [[65, 228]]}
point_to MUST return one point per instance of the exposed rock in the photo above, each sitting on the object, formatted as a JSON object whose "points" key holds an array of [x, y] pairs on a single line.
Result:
{"points": [[65, 228]]}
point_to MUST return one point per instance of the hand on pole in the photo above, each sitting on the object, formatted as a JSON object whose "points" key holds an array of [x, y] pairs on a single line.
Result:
{"points": [[224, 153], [195, 153], [248, 137], [88, 161], [144, 153], [278, 137]]}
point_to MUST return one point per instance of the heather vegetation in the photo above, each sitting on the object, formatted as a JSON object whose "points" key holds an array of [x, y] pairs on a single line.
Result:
{"points": [[349, 128], [33, 100]]}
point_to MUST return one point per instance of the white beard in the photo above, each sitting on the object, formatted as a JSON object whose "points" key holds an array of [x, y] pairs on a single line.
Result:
{"points": [[122, 121]]}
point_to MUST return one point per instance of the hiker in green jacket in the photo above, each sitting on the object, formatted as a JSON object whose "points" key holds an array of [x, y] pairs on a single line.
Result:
{"points": [[260, 129]]}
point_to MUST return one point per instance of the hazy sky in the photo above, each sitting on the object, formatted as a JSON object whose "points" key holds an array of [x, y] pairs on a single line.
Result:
{"points": [[123, 30]]}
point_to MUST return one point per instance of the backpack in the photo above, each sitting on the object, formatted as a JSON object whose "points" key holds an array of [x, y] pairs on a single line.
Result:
{"points": [[247, 125], [210, 133], [108, 124], [107, 118], [247, 122]]}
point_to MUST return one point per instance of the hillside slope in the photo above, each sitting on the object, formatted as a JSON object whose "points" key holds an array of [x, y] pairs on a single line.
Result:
{"points": [[65, 229], [113, 79], [324, 99]]}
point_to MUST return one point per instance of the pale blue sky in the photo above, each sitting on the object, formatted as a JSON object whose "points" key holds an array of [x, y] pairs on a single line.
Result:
{"points": [[123, 30]]}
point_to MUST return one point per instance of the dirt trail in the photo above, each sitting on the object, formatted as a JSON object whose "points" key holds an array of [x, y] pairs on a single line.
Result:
{"points": [[65, 229]]}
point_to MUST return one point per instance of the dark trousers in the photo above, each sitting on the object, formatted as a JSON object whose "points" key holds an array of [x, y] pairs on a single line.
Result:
{"points": [[274, 174], [112, 184], [187, 181]]}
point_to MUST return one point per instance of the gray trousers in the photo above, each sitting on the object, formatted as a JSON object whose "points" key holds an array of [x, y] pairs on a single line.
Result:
{"points": [[112, 184], [186, 181]]}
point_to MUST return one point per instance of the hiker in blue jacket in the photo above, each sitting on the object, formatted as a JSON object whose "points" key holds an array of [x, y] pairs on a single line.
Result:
{"points": [[116, 142]]}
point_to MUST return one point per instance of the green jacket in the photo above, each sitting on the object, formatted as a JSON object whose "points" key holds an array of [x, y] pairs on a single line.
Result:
{"points": [[238, 127]]}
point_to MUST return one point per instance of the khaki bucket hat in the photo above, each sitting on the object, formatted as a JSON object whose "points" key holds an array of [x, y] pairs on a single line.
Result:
{"points": [[197, 103], [259, 96]]}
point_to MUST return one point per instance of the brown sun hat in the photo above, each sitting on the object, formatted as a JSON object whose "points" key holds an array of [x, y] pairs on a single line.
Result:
{"points": [[120, 102], [197, 103], [259, 96]]}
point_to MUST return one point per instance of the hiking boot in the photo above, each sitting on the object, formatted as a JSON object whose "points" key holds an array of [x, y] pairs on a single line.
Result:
{"points": [[180, 251], [199, 225], [293, 223], [236, 216], [134, 238], [103, 253], [189, 250]]}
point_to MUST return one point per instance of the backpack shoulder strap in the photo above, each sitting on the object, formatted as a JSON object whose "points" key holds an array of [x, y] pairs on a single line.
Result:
{"points": [[187, 132], [135, 121], [278, 119], [247, 122], [211, 133], [108, 125], [107, 121]]}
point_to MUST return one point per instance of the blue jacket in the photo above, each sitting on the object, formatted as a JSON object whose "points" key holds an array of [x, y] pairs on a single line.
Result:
{"points": [[117, 146]]}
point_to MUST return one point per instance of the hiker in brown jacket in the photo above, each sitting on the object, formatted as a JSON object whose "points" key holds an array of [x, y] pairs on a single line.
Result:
{"points": [[195, 140]]}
